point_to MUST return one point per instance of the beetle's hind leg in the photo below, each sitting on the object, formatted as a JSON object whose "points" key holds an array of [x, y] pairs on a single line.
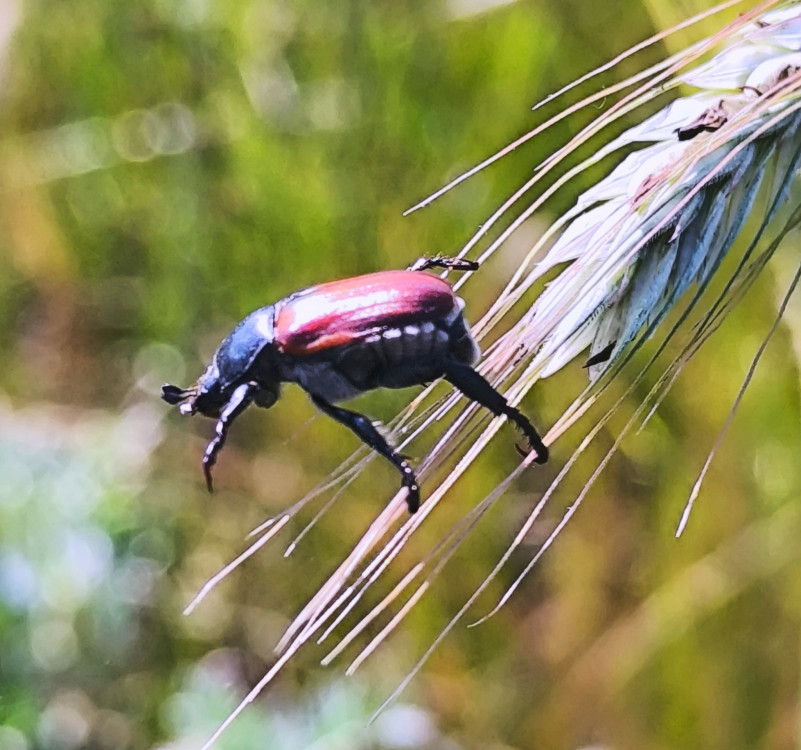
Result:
{"points": [[476, 388], [451, 264], [240, 400], [365, 430]]}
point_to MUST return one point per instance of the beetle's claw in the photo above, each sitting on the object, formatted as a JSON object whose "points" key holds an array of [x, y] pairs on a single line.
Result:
{"points": [[540, 450]]}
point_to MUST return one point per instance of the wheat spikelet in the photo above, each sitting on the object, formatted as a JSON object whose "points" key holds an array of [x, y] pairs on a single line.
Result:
{"points": [[667, 216], [633, 246]]}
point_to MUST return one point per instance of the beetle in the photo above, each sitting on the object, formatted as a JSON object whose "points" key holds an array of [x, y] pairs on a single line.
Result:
{"points": [[390, 329]]}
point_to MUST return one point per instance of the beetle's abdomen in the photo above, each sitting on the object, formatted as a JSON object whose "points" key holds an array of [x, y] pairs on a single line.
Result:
{"points": [[339, 313]]}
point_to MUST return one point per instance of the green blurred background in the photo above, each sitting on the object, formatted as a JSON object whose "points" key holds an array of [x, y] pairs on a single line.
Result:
{"points": [[166, 167]]}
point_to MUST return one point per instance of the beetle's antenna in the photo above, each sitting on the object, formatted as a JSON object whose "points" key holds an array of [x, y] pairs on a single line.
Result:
{"points": [[240, 400], [174, 395]]}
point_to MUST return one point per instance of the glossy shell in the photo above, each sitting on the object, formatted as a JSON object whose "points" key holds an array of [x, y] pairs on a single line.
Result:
{"points": [[325, 317], [238, 351]]}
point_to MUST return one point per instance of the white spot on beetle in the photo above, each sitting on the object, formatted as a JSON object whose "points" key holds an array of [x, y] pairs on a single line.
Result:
{"points": [[393, 345], [411, 342]]}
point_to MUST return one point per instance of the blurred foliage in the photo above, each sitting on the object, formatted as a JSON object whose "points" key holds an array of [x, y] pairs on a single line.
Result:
{"points": [[167, 167]]}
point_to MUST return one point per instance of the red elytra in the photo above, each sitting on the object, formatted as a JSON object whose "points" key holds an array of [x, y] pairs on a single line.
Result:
{"points": [[339, 312]]}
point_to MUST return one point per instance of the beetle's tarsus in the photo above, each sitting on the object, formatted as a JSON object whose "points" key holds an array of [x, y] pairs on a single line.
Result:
{"points": [[534, 440], [207, 473], [451, 264], [367, 433], [477, 389], [210, 456], [240, 400]]}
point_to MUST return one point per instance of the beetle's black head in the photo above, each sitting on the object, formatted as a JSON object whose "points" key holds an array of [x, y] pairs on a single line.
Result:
{"points": [[247, 355]]}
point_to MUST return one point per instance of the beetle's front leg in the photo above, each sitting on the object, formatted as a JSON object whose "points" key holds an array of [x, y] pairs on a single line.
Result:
{"points": [[476, 388], [451, 264], [240, 400], [365, 430]]}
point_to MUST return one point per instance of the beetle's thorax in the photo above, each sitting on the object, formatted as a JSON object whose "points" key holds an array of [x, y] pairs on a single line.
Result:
{"points": [[242, 346]]}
